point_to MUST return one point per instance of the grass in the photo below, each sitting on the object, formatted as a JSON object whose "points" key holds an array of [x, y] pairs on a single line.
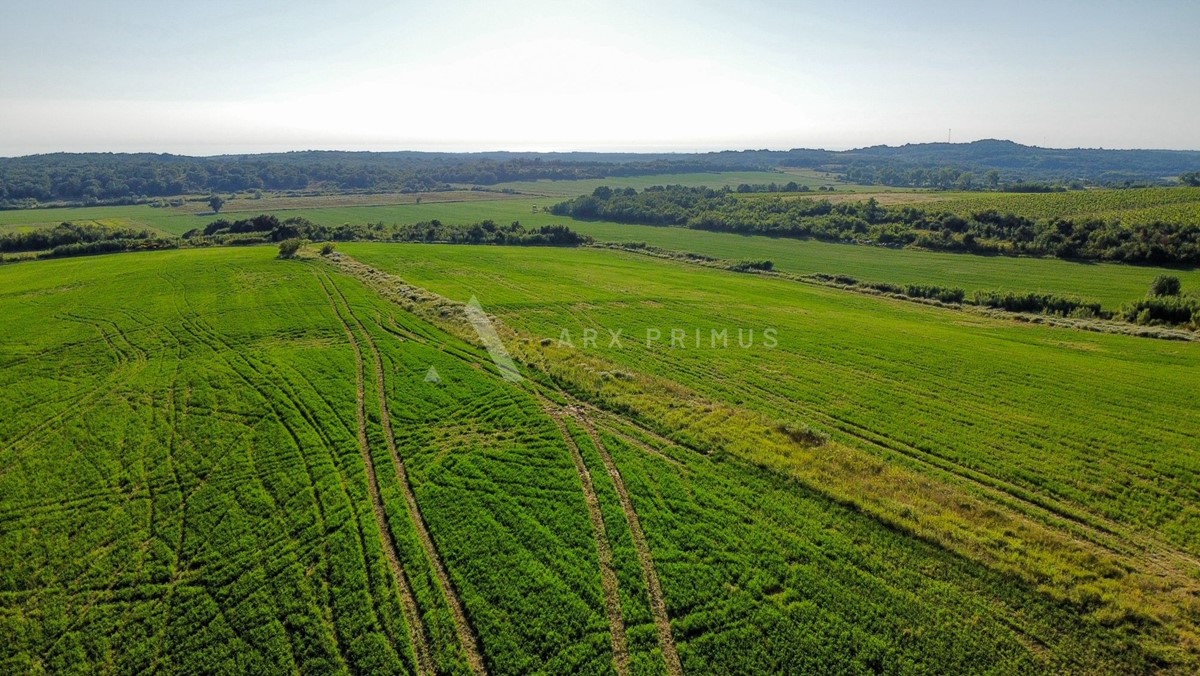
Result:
{"points": [[183, 485], [1109, 284], [892, 387], [1131, 206], [1045, 452]]}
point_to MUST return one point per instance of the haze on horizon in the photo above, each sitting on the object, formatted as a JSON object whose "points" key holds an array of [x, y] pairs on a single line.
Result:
{"points": [[234, 77]]}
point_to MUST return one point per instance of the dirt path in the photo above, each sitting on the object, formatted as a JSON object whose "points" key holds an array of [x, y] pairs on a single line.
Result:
{"points": [[653, 588], [462, 625], [408, 602], [608, 572]]}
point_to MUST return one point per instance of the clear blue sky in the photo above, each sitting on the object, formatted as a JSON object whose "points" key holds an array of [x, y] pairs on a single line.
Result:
{"points": [[217, 76]]}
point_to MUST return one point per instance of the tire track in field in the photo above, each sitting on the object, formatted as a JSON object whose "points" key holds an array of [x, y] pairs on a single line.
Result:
{"points": [[212, 339], [408, 602], [227, 354], [608, 571], [462, 625], [85, 401], [653, 587]]}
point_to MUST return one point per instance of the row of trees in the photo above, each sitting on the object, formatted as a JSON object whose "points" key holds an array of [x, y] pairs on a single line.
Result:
{"points": [[268, 228], [44, 239], [987, 231]]}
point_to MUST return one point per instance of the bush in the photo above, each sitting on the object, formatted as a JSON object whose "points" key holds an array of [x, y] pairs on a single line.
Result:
{"points": [[289, 247], [940, 293], [1165, 285], [1161, 310], [327, 248], [747, 266], [1035, 302], [804, 435]]}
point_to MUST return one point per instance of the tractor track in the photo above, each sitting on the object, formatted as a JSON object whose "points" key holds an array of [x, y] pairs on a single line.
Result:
{"points": [[653, 587], [608, 571], [412, 614]]}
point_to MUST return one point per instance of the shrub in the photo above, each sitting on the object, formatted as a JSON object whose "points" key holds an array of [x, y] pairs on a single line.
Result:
{"points": [[746, 266], [940, 293], [1162, 310], [885, 287], [804, 435], [289, 247], [327, 248], [1034, 302], [1165, 285]]}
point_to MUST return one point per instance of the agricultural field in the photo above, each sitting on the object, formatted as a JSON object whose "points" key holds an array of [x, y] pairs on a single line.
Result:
{"points": [[1133, 206], [335, 209], [217, 460], [1109, 284]]}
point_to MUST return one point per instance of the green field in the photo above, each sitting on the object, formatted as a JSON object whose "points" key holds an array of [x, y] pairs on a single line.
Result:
{"points": [[915, 387], [336, 209], [200, 474], [1109, 284], [1132, 206]]}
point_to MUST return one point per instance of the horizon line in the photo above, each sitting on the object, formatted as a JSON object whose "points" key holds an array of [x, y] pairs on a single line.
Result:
{"points": [[612, 151]]}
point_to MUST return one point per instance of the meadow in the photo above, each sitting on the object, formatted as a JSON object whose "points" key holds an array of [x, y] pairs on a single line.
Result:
{"points": [[1109, 284], [217, 460], [1060, 457]]}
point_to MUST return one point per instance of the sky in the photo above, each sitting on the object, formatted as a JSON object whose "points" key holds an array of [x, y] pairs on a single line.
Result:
{"points": [[215, 77]]}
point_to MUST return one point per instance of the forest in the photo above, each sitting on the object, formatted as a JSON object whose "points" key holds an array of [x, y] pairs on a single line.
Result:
{"points": [[106, 178], [118, 178]]}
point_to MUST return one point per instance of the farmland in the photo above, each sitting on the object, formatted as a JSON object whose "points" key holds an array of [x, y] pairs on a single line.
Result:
{"points": [[213, 459], [1132, 206], [239, 462], [1108, 284]]}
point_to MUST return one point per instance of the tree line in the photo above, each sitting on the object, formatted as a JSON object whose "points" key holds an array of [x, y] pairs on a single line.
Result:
{"points": [[72, 239], [104, 178], [868, 222], [268, 228], [79, 238]]}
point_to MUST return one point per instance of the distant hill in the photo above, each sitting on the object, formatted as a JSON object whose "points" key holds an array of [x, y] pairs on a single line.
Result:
{"points": [[118, 177], [1020, 162]]}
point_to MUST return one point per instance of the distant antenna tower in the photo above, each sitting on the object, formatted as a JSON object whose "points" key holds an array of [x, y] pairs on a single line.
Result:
{"points": [[948, 135]]}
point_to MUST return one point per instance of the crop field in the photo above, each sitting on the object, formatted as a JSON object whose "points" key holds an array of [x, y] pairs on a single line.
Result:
{"points": [[1054, 431], [1109, 284], [1132, 206], [282, 202], [835, 336], [214, 460]]}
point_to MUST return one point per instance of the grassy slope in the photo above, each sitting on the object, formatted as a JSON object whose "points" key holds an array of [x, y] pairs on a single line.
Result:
{"points": [[180, 487], [1102, 422]]}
